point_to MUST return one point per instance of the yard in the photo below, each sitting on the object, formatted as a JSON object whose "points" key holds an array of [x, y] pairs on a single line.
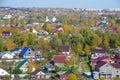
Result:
{"points": [[85, 66]]}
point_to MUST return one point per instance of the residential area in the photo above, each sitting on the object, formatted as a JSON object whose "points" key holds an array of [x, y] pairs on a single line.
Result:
{"points": [[59, 44]]}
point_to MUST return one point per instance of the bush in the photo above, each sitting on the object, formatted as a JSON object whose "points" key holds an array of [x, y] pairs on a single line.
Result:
{"points": [[17, 71]]}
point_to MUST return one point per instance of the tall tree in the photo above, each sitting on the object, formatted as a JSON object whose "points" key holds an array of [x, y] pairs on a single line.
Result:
{"points": [[106, 42], [1, 45], [87, 49]]}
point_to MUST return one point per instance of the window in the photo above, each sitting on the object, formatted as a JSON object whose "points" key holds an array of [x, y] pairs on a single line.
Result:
{"points": [[106, 65], [28, 53], [2, 72], [117, 71]]}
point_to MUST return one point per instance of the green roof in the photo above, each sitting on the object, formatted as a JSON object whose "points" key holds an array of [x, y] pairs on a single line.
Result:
{"points": [[22, 62]]}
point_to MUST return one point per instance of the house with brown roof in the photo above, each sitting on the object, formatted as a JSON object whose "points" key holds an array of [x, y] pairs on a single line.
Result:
{"points": [[36, 50], [6, 34], [64, 49], [39, 74], [106, 70], [59, 60], [98, 53]]}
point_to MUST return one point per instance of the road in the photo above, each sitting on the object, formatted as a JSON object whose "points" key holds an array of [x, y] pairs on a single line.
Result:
{"points": [[80, 65]]}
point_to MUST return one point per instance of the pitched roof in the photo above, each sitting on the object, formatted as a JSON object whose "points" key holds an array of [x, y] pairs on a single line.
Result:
{"points": [[59, 58], [35, 72], [23, 51], [5, 32], [64, 48], [115, 65], [99, 51], [48, 65], [22, 62], [100, 64], [3, 54], [36, 48], [16, 49]]}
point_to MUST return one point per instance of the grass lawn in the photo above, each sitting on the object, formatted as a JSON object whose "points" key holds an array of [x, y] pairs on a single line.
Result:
{"points": [[74, 69], [85, 66]]}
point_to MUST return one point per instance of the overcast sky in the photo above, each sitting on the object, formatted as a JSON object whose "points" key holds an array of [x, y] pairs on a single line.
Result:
{"points": [[61, 3]]}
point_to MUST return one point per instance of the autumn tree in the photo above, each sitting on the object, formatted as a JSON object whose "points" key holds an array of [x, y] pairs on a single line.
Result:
{"points": [[68, 63], [87, 49], [48, 27], [106, 42], [31, 65], [72, 77], [9, 44], [78, 48]]}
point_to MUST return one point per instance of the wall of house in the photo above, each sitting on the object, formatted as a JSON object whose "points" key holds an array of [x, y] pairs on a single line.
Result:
{"points": [[29, 54], [3, 72], [108, 69], [59, 64]]}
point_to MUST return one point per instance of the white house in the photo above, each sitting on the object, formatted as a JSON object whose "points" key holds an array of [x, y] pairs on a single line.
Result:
{"points": [[3, 72], [7, 17], [6, 55]]}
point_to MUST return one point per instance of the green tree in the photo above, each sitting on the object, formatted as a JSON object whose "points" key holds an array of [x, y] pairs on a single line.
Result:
{"points": [[1, 45], [16, 71]]}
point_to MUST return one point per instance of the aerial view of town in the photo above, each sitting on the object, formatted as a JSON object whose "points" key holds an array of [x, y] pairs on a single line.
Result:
{"points": [[59, 43]]}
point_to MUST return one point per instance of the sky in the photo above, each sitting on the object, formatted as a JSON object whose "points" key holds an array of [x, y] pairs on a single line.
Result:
{"points": [[61, 3]]}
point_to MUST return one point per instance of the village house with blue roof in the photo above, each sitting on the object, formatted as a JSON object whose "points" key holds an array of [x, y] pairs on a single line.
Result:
{"points": [[26, 52]]}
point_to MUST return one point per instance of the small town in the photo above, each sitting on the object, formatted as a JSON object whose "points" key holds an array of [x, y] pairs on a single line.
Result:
{"points": [[59, 44]]}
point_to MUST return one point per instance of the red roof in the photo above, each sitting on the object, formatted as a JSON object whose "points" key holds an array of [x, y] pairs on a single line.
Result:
{"points": [[59, 58], [115, 65], [100, 64]]}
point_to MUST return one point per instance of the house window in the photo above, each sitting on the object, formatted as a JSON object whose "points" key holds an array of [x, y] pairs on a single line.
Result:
{"points": [[117, 71], [28, 53], [2, 72], [106, 65], [117, 76]]}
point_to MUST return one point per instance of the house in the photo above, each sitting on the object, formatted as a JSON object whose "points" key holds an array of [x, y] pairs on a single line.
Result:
{"points": [[50, 67], [36, 50], [3, 72], [64, 49], [39, 74], [104, 58], [6, 55], [26, 52], [6, 34], [106, 70], [14, 51], [59, 60], [98, 53], [62, 75], [54, 31], [23, 65]]}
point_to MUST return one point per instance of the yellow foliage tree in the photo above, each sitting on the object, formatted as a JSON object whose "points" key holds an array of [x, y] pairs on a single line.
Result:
{"points": [[9, 44], [87, 49], [32, 65], [68, 63], [48, 27], [72, 77]]}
